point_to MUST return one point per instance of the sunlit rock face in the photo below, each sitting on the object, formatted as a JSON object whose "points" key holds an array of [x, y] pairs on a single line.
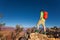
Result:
{"points": [[36, 36]]}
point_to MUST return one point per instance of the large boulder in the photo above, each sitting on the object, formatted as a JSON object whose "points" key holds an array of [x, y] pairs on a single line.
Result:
{"points": [[36, 36]]}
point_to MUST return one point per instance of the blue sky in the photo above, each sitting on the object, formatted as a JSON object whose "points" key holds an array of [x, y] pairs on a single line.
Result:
{"points": [[27, 12]]}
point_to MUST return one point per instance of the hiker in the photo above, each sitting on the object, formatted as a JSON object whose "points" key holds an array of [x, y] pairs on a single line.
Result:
{"points": [[42, 20]]}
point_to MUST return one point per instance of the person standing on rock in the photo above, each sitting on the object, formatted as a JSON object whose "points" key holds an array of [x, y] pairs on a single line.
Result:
{"points": [[43, 17]]}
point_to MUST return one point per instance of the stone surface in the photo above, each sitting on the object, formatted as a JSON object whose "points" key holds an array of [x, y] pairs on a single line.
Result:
{"points": [[36, 36]]}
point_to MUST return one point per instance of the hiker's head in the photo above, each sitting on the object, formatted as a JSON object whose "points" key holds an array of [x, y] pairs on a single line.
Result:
{"points": [[42, 10]]}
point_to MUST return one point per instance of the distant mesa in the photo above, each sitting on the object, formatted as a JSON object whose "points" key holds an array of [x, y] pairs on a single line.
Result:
{"points": [[6, 28]]}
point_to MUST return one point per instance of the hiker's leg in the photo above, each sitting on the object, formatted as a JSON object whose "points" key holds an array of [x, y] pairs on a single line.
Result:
{"points": [[43, 24], [44, 28], [38, 24]]}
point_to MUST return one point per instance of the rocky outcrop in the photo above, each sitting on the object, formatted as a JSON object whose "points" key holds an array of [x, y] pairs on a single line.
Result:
{"points": [[37, 36]]}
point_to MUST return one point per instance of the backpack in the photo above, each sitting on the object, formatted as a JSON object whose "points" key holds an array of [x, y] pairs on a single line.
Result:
{"points": [[45, 16]]}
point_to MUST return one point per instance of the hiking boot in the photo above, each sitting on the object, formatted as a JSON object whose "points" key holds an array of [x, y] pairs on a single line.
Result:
{"points": [[44, 33], [37, 31]]}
